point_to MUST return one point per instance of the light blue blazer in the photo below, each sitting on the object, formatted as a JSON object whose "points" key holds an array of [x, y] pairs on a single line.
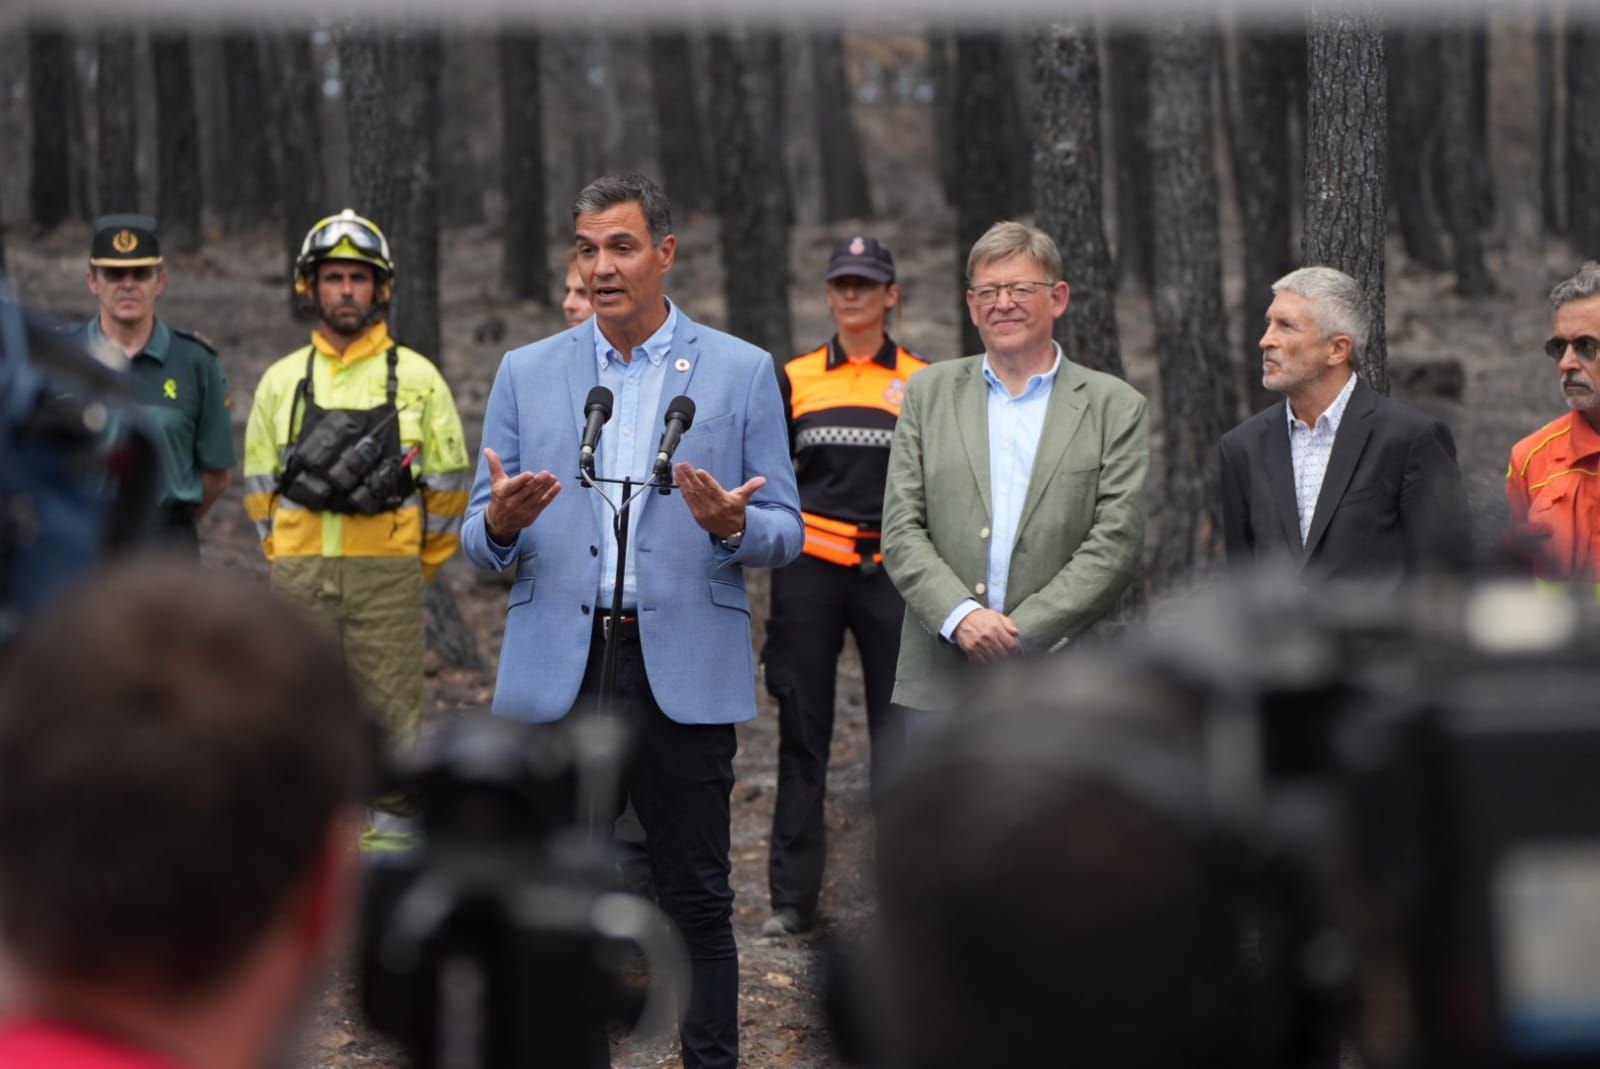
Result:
{"points": [[694, 614]]}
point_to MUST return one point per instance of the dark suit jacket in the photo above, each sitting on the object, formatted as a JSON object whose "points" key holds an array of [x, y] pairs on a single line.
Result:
{"points": [[1391, 505]]}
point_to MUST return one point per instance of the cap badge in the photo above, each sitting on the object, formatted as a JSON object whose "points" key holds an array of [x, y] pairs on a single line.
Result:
{"points": [[124, 241], [858, 247]]}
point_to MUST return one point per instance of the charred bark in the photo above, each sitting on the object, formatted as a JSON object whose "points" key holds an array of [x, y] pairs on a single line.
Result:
{"points": [[249, 177], [296, 139], [1130, 128], [525, 262], [1066, 189], [1583, 136], [1552, 207], [178, 143], [844, 179], [117, 112], [52, 103], [1198, 401], [1414, 130], [1464, 168], [1346, 163], [680, 135], [985, 151]]}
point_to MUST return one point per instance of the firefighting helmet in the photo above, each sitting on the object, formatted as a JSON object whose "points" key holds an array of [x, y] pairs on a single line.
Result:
{"points": [[346, 236]]}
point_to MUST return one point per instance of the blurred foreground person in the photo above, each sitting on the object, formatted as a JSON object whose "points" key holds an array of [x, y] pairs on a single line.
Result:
{"points": [[1551, 485], [177, 825], [1013, 516], [356, 468], [1339, 480], [841, 401], [176, 374], [1044, 899]]}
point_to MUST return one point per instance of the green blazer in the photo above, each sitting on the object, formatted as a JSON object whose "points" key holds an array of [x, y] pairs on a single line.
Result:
{"points": [[1080, 539]]}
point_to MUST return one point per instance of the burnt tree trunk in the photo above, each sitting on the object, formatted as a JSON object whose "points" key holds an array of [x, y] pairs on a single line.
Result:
{"points": [[1552, 209], [1464, 168], [942, 76], [248, 196], [985, 153], [1414, 130], [1346, 166], [296, 140], [1130, 127], [117, 111], [525, 259], [680, 135], [392, 99], [1261, 138], [177, 143], [1066, 188], [460, 182], [752, 195], [844, 179], [1198, 402], [52, 106], [1583, 136]]}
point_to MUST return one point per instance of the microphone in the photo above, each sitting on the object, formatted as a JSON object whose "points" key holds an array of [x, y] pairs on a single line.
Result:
{"points": [[596, 410], [680, 416]]}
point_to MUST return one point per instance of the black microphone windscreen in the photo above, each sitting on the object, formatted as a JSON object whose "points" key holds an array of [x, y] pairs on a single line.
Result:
{"points": [[681, 407], [600, 398]]}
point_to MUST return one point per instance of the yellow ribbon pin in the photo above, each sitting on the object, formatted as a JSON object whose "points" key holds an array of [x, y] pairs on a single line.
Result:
{"points": [[170, 388]]}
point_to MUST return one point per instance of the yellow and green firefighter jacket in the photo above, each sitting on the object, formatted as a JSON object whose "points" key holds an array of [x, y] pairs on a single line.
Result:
{"points": [[427, 524]]}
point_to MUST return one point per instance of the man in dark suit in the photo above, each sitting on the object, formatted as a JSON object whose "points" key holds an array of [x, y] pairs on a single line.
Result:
{"points": [[1340, 481]]}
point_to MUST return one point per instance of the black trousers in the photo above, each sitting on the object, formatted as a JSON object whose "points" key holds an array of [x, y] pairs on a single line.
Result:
{"points": [[680, 780], [174, 530], [813, 604]]}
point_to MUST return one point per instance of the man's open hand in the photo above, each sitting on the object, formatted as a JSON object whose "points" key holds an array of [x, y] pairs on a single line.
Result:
{"points": [[515, 501], [716, 510]]}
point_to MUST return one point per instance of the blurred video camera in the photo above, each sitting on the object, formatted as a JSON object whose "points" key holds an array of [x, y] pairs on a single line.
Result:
{"points": [[1416, 781], [78, 472], [503, 939]]}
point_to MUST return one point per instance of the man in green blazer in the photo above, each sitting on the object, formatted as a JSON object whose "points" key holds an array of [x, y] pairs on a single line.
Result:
{"points": [[1013, 517]]}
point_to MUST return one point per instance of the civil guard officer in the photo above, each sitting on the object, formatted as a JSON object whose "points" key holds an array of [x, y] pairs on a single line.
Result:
{"points": [[841, 401], [176, 374]]}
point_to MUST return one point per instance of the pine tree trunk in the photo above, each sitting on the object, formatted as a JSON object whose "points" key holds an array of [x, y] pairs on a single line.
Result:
{"points": [[985, 153], [1464, 167], [296, 138], [51, 100], [1066, 188], [525, 263], [1346, 165], [844, 180], [942, 76], [1414, 131], [249, 178], [392, 102], [752, 198], [1552, 209], [1198, 401], [1583, 136], [680, 135], [178, 142], [1261, 141], [1130, 128], [461, 181], [117, 108]]}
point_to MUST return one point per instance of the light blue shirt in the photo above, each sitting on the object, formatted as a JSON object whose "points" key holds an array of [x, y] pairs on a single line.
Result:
{"points": [[628, 442], [1309, 449], [1015, 426]]}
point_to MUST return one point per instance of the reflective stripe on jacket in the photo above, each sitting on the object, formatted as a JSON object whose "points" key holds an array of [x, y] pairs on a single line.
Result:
{"points": [[427, 525]]}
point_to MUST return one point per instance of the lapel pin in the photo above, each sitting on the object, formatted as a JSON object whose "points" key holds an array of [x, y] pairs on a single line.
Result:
{"points": [[681, 364]]}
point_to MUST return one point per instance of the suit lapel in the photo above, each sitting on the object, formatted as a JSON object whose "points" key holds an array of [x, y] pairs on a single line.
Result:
{"points": [[1354, 430], [1062, 418], [1279, 466], [972, 416], [682, 358], [583, 376]]}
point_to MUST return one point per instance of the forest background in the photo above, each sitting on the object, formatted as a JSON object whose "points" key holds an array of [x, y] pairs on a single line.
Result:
{"points": [[1453, 168]]}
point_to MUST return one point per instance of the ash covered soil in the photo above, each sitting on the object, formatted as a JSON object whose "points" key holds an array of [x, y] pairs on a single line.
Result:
{"points": [[232, 293]]}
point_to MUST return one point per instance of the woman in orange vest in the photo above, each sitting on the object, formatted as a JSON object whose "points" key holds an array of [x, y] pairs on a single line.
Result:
{"points": [[842, 401]]}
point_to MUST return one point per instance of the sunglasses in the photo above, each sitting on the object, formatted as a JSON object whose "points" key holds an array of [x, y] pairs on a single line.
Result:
{"points": [[1585, 346], [117, 274]]}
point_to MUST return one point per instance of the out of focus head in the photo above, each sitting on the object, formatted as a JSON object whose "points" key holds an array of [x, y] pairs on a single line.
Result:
{"points": [[1047, 896], [182, 759], [575, 294]]}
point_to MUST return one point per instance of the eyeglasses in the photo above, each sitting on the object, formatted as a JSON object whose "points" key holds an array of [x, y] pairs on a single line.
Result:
{"points": [[363, 238], [142, 273], [1585, 346], [1021, 292]]}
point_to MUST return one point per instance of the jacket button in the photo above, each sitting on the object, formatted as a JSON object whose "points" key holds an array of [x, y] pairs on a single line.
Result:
{"points": [[585, 609], [979, 589], [594, 551], [984, 533]]}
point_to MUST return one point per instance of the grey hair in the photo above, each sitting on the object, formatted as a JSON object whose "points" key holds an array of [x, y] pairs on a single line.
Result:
{"points": [[1586, 283], [1007, 239], [1337, 304], [631, 188]]}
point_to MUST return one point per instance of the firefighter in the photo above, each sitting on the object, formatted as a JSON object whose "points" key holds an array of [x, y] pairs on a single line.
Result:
{"points": [[841, 402], [356, 469]]}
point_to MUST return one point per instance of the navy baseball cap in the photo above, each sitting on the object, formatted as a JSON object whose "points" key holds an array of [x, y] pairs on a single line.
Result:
{"points": [[861, 257]]}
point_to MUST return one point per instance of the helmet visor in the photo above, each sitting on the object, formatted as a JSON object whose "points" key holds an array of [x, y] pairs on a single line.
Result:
{"points": [[327, 237]]}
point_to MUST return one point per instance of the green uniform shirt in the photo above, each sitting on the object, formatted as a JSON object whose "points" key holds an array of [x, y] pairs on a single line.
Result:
{"points": [[179, 382]]}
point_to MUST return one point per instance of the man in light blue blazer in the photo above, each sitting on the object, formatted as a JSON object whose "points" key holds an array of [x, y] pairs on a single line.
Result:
{"points": [[685, 670]]}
